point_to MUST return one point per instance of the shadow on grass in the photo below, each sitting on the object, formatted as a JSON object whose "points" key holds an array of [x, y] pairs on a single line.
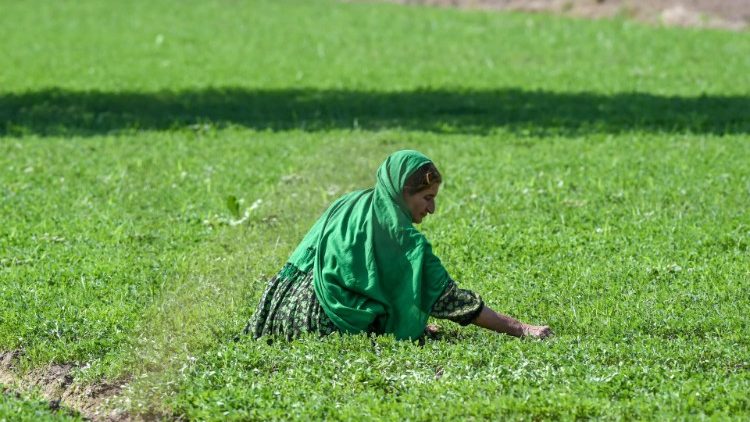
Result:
{"points": [[85, 113]]}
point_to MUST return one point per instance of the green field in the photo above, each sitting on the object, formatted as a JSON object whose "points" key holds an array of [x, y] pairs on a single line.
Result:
{"points": [[597, 180]]}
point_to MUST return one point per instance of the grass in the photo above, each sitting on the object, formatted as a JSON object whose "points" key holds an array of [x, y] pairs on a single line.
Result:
{"points": [[596, 181], [22, 408]]}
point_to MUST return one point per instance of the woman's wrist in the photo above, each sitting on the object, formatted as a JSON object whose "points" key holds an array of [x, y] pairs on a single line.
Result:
{"points": [[525, 329]]}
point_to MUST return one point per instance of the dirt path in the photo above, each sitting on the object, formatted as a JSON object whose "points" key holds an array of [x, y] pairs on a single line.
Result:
{"points": [[725, 14]]}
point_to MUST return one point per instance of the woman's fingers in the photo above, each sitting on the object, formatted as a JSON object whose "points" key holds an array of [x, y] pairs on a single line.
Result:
{"points": [[545, 332], [537, 331], [431, 329]]}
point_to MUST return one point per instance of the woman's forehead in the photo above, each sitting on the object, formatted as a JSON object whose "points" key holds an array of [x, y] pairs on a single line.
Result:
{"points": [[432, 189]]}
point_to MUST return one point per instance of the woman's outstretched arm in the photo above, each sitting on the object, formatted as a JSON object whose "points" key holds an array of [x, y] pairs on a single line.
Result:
{"points": [[494, 321]]}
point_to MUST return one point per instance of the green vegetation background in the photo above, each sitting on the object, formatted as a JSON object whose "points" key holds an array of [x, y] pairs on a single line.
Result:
{"points": [[597, 180]]}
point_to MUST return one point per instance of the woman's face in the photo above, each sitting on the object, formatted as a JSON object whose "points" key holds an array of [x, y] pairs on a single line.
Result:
{"points": [[422, 203]]}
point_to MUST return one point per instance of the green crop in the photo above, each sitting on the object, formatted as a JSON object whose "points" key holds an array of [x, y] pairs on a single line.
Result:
{"points": [[159, 162]]}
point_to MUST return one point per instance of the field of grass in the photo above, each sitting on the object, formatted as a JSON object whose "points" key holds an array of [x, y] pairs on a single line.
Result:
{"points": [[596, 180]]}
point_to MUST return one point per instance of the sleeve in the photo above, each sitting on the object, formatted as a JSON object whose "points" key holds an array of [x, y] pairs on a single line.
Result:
{"points": [[458, 305], [434, 279]]}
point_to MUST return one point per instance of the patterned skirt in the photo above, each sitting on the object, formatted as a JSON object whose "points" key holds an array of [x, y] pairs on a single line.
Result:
{"points": [[289, 307]]}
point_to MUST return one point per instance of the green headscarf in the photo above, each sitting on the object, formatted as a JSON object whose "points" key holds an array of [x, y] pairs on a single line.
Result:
{"points": [[373, 270]]}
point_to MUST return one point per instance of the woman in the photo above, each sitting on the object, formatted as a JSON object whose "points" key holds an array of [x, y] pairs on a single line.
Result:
{"points": [[364, 267]]}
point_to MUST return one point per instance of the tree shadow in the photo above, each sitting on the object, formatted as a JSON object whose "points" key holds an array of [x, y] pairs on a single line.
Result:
{"points": [[59, 112]]}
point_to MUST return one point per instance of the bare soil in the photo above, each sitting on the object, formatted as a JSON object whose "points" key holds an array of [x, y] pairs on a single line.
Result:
{"points": [[724, 14], [55, 384]]}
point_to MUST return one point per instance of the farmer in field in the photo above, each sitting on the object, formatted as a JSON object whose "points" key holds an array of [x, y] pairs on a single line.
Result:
{"points": [[364, 267]]}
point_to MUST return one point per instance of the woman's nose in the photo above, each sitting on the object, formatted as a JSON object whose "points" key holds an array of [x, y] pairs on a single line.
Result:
{"points": [[431, 208]]}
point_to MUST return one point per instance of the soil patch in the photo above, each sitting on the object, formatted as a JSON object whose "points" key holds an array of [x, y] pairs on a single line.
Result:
{"points": [[56, 384], [725, 14]]}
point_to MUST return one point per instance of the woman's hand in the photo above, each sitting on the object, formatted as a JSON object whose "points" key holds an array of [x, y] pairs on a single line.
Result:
{"points": [[536, 331], [494, 321]]}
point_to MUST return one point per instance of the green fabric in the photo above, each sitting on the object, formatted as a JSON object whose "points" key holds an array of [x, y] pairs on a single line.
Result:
{"points": [[373, 270]]}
